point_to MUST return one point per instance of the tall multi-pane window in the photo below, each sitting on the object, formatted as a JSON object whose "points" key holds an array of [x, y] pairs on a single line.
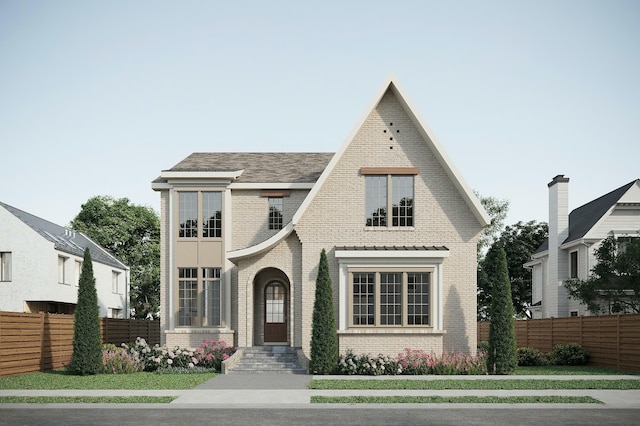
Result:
{"points": [[199, 297], [390, 298], [5, 266], [389, 193], [187, 296], [402, 200], [212, 214], [418, 297], [188, 214], [376, 200], [363, 298], [275, 212], [210, 297]]}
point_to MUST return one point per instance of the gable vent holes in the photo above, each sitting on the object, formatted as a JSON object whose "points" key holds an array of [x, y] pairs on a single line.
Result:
{"points": [[391, 133]]}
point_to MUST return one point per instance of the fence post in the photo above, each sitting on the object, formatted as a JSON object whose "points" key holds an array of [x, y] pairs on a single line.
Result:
{"points": [[580, 330], [618, 342], [42, 342]]}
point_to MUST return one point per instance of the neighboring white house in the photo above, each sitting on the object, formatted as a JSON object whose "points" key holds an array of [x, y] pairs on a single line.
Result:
{"points": [[242, 233], [569, 251], [40, 264]]}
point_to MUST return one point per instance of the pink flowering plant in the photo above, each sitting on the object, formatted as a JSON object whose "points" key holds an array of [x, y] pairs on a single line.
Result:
{"points": [[211, 353], [417, 361], [413, 362], [117, 360]]}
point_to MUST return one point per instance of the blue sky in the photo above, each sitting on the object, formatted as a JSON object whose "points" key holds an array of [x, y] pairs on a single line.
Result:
{"points": [[96, 98]]}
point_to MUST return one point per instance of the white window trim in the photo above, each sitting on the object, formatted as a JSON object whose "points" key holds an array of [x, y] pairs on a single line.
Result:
{"points": [[399, 259], [5, 265], [577, 264]]}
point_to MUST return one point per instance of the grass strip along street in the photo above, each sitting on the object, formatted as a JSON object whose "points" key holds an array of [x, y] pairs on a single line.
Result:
{"points": [[86, 399], [475, 384], [454, 400], [60, 379]]}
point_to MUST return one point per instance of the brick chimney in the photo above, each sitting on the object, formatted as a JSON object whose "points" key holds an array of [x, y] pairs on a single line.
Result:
{"points": [[556, 301]]}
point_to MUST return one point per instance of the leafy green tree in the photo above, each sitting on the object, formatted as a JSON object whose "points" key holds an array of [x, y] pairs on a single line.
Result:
{"points": [[132, 234], [502, 357], [324, 338], [87, 343], [614, 284], [519, 241], [497, 210]]}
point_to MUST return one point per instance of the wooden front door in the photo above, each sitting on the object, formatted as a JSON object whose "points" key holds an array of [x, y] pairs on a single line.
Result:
{"points": [[275, 309]]}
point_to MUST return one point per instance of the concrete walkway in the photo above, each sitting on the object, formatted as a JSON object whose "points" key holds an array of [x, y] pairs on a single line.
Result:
{"points": [[291, 391]]}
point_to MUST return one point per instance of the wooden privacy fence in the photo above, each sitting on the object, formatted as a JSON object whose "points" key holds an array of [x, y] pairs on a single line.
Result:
{"points": [[612, 340], [38, 342]]}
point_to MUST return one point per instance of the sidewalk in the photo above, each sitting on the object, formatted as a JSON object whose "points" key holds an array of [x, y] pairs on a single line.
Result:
{"points": [[291, 391]]}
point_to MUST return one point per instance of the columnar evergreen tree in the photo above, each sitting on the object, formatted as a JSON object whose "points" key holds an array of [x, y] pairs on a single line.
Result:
{"points": [[502, 357], [324, 338], [87, 344]]}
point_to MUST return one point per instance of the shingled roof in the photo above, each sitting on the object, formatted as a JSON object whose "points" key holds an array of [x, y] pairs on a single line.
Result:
{"points": [[582, 219], [259, 167], [64, 239]]}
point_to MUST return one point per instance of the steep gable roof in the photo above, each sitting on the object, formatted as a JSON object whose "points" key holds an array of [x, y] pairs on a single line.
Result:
{"points": [[258, 167], [465, 191], [585, 217], [64, 239], [582, 219]]}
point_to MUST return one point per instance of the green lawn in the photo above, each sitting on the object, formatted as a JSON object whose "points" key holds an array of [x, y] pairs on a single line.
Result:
{"points": [[86, 399], [60, 379], [453, 399], [480, 383], [566, 370]]}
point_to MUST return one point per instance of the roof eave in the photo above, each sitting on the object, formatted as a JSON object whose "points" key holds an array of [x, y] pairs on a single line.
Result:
{"points": [[236, 255]]}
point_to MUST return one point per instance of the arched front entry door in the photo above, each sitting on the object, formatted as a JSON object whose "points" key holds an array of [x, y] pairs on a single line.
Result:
{"points": [[275, 313]]}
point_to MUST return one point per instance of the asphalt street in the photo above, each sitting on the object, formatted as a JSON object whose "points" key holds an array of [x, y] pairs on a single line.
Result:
{"points": [[349, 415]]}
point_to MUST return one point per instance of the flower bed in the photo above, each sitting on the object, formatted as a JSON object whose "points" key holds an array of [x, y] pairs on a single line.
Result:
{"points": [[140, 356], [412, 362]]}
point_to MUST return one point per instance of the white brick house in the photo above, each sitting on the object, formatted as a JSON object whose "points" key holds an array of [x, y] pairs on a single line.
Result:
{"points": [[569, 251], [40, 264], [241, 236]]}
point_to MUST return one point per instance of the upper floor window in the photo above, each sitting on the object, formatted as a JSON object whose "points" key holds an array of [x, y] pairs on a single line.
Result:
{"points": [[5, 266], [275, 212], [200, 210], [212, 214], [389, 198], [573, 267], [115, 282], [62, 270], [188, 214], [78, 271]]}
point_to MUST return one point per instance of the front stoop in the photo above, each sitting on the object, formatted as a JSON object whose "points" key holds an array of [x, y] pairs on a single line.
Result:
{"points": [[269, 359]]}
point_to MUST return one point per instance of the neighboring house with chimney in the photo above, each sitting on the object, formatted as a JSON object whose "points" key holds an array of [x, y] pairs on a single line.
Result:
{"points": [[40, 264], [242, 233], [569, 251]]}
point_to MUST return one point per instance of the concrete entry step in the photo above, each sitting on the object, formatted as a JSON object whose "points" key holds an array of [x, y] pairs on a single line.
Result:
{"points": [[269, 359]]}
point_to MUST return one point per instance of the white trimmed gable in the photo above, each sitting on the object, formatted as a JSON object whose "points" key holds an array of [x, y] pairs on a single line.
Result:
{"points": [[622, 218], [432, 143]]}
